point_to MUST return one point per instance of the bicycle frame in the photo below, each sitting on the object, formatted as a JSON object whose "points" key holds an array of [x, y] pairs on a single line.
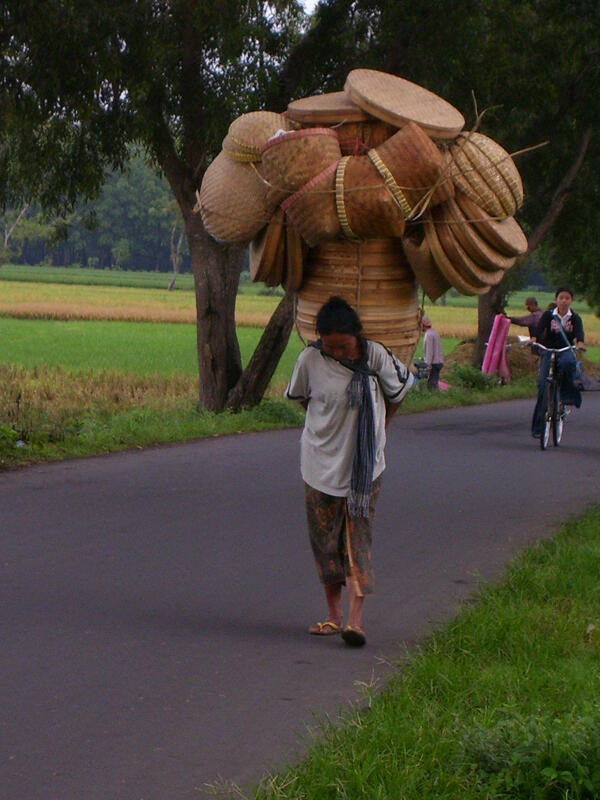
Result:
{"points": [[552, 411]]}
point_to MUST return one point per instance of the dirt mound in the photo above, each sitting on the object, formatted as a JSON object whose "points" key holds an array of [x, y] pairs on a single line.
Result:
{"points": [[521, 361]]}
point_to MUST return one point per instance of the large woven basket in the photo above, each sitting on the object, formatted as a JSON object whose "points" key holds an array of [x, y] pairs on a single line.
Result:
{"points": [[398, 101], [366, 208], [486, 173], [375, 278], [234, 201], [290, 161], [413, 170], [505, 235], [312, 210], [248, 133]]}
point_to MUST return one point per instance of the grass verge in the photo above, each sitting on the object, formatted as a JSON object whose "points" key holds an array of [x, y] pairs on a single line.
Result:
{"points": [[52, 413], [501, 703]]}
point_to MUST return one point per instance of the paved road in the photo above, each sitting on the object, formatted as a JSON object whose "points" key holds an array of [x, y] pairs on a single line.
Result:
{"points": [[154, 603]]}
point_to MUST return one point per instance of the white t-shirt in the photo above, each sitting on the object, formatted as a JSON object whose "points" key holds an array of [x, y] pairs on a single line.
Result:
{"points": [[329, 437]]}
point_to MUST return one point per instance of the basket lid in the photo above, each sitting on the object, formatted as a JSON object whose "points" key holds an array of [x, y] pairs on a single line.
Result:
{"points": [[266, 253], [331, 108], [445, 265], [429, 277], [294, 256], [398, 101], [503, 234], [449, 215]]}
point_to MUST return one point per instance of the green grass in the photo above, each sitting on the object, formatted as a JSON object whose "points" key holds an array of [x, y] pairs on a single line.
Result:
{"points": [[94, 277], [503, 702], [143, 348]]}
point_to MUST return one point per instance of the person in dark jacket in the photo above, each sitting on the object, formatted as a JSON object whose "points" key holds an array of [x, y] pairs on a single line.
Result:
{"points": [[530, 320], [555, 328]]}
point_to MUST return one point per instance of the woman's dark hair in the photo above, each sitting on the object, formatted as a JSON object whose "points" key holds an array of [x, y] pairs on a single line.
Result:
{"points": [[337, 316], [563, 289]]}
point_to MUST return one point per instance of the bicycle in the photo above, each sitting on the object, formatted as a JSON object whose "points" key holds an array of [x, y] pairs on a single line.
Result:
{"points": [[552, 411]]}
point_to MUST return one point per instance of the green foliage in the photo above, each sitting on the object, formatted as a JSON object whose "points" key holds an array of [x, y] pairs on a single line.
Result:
{"points": [[471, 378], [543, 756]]}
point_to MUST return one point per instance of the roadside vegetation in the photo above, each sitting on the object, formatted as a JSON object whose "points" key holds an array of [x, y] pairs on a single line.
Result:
{"points": [[502, 702], [100, 366]]}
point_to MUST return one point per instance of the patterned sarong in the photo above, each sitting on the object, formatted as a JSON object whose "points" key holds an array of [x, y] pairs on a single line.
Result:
{"points": [[327, 533]]}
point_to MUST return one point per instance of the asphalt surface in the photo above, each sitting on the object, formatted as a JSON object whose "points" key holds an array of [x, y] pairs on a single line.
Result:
{"points": [[155, 603]]}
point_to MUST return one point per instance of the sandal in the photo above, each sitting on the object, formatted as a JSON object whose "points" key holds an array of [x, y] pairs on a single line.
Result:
{"points": [[325, 629], [354, 637]]}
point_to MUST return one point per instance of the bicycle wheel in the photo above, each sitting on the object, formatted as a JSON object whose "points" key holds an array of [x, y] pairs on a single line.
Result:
{"points": [[558, 418], [547, 413]]}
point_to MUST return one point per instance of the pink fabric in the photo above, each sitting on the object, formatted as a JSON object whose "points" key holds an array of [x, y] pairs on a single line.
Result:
{"points": [[495, 354]]}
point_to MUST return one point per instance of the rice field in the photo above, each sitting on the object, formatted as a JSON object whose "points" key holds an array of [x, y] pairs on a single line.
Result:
{"points": [[30, 300]]}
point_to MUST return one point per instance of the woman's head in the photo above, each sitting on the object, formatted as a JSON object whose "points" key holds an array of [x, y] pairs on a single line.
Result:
{"points": [[337, 316], [339, 327]]}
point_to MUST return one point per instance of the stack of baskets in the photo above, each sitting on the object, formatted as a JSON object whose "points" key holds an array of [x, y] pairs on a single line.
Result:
{"points": [[365, 193]]}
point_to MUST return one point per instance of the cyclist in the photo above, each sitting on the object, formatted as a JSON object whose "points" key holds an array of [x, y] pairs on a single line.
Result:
{"points": [[556, 328]]}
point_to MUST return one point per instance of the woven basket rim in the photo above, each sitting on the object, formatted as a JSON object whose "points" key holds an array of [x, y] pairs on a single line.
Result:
{"points": [[331, 107], [469, 269], [445, 265], [433, 282], [291, 135], [504, 234], [398, 101], [482, 253]]}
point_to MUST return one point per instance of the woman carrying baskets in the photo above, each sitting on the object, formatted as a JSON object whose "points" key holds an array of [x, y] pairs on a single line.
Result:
{"points": [[350, 387]]}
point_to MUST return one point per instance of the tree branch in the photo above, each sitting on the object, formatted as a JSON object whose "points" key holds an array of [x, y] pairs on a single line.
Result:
{"points": [[561, 195]]}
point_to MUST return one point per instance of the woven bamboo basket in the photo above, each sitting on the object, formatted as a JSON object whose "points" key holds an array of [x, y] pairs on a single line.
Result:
{"points": [[290, 161], [247, 134], [234, 201], [325, 109], [505, 235], [366, 208], [451, 222], [428, 275], [460, 259], [398, 101], [357, 138], [376, 279], [485, 172], [312, 210], [266, 252], [451, 269], [294, 259], [413, 169]]}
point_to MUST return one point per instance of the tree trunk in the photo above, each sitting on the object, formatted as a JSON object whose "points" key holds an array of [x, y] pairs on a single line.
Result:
{"points": [[252, 385], [216, 275]]}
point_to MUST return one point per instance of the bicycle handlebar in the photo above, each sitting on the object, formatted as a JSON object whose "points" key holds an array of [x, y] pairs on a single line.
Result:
{"points": [[554, 349]]}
